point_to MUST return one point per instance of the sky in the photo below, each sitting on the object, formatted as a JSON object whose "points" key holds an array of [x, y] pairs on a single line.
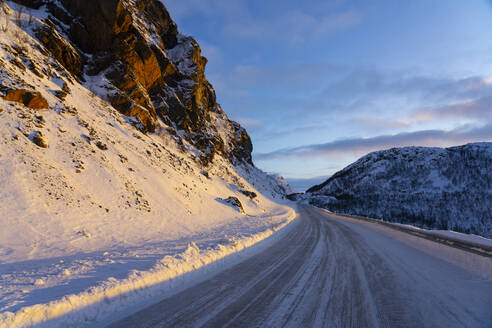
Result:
{"points": [[318, 84]]}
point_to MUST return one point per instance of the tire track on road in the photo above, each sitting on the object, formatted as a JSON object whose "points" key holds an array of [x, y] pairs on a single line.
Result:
{"points": [[329, 272]]}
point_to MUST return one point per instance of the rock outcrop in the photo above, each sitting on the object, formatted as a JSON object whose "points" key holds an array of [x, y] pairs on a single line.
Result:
{"points": [[155, 74], [38, 139], [31, 99], [60, 48], [250, 194], [234, 202], [437, 188]]}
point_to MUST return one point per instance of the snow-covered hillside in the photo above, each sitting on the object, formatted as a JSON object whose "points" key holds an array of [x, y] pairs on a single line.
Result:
{"points": [[102, 180], [447, 189]]}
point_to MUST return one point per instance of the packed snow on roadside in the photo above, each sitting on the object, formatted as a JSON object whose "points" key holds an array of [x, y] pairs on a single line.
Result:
{"points": [[453, 235], [105, 215], [471, 239]]}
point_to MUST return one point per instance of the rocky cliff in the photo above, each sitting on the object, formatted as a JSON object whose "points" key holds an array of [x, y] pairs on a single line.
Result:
{"points": [[107, 120], [437, 188], [130, 53]]}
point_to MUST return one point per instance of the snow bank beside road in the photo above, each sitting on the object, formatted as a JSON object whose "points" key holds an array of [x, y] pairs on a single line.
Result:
{"points": [[167, 277], [470, 241]]}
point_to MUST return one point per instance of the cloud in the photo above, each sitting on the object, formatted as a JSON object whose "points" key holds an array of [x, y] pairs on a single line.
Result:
{"points": [[297, 129], [210, 51], [379, 122], [209, 8], [275, 21], [370, 83], [359, 146], [279, 76], [293, 26], [340, 82], [254, 89], [480, 108], [325, 87]]}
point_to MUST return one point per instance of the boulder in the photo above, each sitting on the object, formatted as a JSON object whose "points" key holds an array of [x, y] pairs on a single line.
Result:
{"points": [[234, 201], [37, 138], [31, 99], [250, 194], [101, 145]]}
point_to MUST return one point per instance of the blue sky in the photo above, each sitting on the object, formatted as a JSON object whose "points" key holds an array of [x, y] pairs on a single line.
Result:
{"points": [[318, 84]]}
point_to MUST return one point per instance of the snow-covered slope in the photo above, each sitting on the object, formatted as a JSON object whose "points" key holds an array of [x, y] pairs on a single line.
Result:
{"points": [[287, 189], [93, 191], [447, 189]]}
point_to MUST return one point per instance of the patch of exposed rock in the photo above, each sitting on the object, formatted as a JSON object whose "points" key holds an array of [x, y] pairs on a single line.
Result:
{"points": [[60, 48], [250, 194], [38, 139], [31, 99], [101, 145], [234, 201]]}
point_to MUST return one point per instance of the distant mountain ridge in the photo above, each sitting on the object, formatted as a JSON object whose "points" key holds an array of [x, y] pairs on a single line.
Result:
{"points": [[440, 188]]}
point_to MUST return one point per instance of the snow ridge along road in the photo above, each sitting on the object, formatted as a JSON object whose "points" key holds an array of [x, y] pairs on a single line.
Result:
{"points": [[334, 271]]}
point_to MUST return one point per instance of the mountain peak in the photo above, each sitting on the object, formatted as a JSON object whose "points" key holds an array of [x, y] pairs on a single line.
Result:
{"points": [[445, 188]]}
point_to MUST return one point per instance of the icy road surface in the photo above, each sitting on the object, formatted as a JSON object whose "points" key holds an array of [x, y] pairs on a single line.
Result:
{"points": [[333, 271]]}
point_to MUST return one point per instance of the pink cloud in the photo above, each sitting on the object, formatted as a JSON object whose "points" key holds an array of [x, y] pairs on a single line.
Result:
{"points": [[360, 146]]}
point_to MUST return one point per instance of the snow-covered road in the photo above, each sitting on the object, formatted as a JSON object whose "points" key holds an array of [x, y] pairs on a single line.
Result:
{"points": [[337, 272]]}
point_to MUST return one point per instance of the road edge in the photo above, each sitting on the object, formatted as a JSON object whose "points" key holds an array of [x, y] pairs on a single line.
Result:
{"points": [[475, 248]]}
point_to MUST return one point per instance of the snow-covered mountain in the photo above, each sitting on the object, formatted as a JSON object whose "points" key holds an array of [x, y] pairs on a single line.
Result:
{"points": [[441, 188], [112, 143]]}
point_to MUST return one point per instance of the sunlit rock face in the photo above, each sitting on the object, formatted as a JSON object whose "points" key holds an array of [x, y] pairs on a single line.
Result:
{"points": [[441, 188], [131, 53], [29, 99]]}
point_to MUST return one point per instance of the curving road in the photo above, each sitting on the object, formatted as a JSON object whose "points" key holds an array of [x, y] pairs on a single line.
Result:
{"points": [[333, 271]]}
